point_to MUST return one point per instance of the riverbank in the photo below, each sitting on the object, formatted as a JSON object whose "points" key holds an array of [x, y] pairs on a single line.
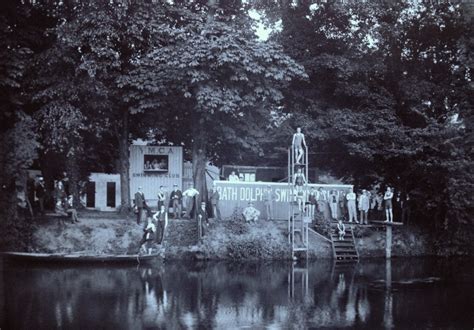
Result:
{"points": [[90, 235], [101, 233]]}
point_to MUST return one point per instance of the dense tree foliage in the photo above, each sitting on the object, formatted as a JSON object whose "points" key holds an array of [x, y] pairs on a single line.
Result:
{"points": [[383, 91], [389, 98], [228, 83]]}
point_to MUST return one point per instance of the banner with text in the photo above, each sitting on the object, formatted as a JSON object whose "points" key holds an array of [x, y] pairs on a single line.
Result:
{"points": [[239, 194]]}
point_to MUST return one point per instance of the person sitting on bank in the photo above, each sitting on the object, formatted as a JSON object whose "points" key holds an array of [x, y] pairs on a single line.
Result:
{"points": [[161, 220], [64, 208], [70, 209], [341, 229], [250, 213], [149, 233]]}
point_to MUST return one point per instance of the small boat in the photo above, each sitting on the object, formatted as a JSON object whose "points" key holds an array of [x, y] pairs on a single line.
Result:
{"points": [[62, 258]]}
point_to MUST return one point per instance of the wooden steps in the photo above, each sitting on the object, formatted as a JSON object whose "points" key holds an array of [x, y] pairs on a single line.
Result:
{"points": [[345, 249]]}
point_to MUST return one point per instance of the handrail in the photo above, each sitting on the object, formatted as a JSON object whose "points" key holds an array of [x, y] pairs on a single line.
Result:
{"points": [[318, 234]]}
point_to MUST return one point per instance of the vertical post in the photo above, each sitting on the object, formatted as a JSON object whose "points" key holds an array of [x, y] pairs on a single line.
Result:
{"points": [[289, 164], [388, 242], [388, 301], [3, 318], [289, 186], [199, 228], [307, 164]]}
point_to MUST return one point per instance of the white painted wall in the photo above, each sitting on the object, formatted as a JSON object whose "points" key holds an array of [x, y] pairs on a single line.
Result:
{"points": [[151, 182], [101, 180]]}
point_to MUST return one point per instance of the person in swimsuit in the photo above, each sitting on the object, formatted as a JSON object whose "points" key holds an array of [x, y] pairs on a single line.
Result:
{"points": [[299, 195], [298, 143], [341, 229], [299, 179], [387, 198], [312, 202]]}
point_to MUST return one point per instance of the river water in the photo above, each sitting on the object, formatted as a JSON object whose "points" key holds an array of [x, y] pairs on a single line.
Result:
{"points": [[374, 294]]}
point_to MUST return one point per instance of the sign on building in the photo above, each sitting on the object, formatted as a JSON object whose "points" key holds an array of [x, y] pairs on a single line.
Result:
{"points": [[238, 194], [155, 166]]}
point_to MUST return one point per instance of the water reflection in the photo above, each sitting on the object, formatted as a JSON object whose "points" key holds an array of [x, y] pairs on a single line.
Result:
{"points": [[388, 303], [279, 295]]}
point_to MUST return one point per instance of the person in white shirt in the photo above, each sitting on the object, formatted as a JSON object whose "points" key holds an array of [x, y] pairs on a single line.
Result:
{"points": [[250, 213], [364, 203], [351, 205], [148, 237], [190, 195], [233, 177], [321, 198]]}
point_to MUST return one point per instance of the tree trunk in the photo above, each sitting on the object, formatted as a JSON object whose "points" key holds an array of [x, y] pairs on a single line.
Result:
{"points": [[123, 166], [72, 169], [199, 161]]}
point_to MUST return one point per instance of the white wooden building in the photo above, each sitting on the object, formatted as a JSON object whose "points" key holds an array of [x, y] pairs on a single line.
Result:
{"points": [[103, 192], [155, 166], [150, 168]]}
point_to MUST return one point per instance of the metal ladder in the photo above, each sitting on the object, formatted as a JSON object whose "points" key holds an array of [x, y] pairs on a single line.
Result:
{"points": [[297, 226]]}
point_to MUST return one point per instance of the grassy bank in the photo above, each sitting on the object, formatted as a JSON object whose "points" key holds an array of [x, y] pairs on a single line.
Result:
{"points": [[232, 239], [91, 235], [238, 240]]}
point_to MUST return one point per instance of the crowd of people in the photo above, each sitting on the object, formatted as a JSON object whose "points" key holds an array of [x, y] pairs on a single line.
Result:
{"points": [[63, 201], [339, 205], [333, 204], [355, 207], [155, 165], [182, 205], [36, 198]]}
